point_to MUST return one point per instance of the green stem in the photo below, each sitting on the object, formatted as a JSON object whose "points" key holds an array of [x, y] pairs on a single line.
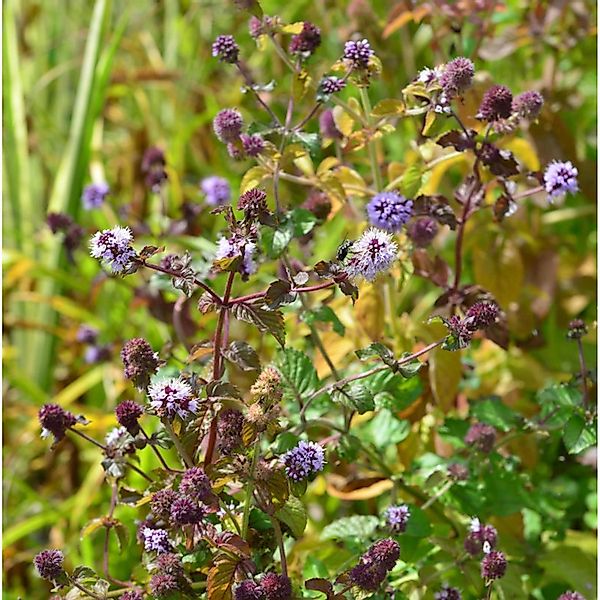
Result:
{"points": [[377, 181], [250, 489]]}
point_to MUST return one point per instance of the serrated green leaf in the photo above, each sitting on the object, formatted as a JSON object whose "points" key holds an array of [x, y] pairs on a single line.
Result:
{"points": [[361, 527], [293, 514], [299, 376], [579, 434]]}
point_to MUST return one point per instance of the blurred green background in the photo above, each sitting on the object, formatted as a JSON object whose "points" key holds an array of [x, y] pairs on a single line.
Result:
{"points": [[88, 86]]}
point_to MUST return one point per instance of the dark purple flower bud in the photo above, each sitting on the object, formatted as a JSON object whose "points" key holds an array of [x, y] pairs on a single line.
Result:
{"points": [[253, 202], [253, 144], [170, 564], [493, 566], [58, 221], [164, 586], [457, 76], [128, 413], [132, 595], [228, 124], [73, 237], [318, 203], [154, 158], [306, 459], [496, 104], [331, 85], [358, 53], [448, 593], [577, 329], [307, 41], [571, 596], [196, 485], [140, 362], [94, 195], [155, 179], [161, 503], [385, 552], [422, 231], [230, 431], [389, 211], [226, 49], [255, 27], [328, 127], [374, 564], [249, 590], [397, 517], [560, 178], [96, 354], [458, 472], [55, 420], [528, 105], [86, 334], [185, 511], [481, 315], [49, 564], [367, 576], [276, 587], [482, 437]]}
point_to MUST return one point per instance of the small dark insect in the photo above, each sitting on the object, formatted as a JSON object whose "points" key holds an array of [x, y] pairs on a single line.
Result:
{"points": [[344, 249]]}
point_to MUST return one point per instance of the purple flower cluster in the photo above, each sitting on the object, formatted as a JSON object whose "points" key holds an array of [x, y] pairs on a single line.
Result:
{"points": [[577, 329], [94, 195], [55, 420], [153, 168], [252, 144], [560, 178], [571, 596], [185, 511], [216, 190], [307, 41], [228, 125], [49, 564], [496, 104], [375, 564], [373, 253], [397, 517], [113, 248], [389, 211], [238, 246], [422, 231], [306, 459], [448, 593], [172, 397], [161, 503], [271, 587], [493, 566], [86, 334], [331, 85], [480, 538], [163, 586], [358, 53], [156, 540], [195, 484], [140, 362], [482, 437], [253, 202], [457, 76], [132, 595], [528, 105], [230, 431], [226, 49], [128, 414]]}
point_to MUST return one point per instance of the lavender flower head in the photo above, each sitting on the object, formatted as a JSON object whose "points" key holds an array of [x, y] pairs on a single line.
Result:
{"points": [[249, 590], [172, 397], [96, 354], [228, 125], [195, 484], [481, 315], [389, 211], [163, 586], [253, 202], [496, 104], [184, 511], [571, 596], [276, 587], [374, 565], [429, 76], [457, 76], [55, 420], [234, 246], [161, 503], [373, 253], [86, 334], [528, 105], [358, 53], [226, 49], [49, 564], [252, 144], [156, 540], [331, 85], [93, 195], [448, 593], [397, 518], [140, 362], [128, 414], [493, 566], [306, 459], [216, 189], [560, 178], [113, 248]]}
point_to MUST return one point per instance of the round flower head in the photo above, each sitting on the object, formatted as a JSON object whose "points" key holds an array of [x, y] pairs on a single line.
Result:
{"points": [[140, 362], [307, 41], [457, 76], [96, 354], [230, 431], [422, 231], [331, 85], [86, 334], [577, 329], [327, 126], [276, 587], [170, 564], [93, 195], [55, 420], [389, 211], [154, 158], [226, 49], [306, 459], [496, 104], [253, 144], [249, 590], [230, 248], [480, 537], [113, 247], [448, 593], [156, 540], [184, 511], [128, 414], [161, 503], [481, 315], [374, 252], [374, 564], [253, 202], [560, 178], [163, 586], [58, 221], [397, 517], [228, 125], [132, 595], [216, 189], [528, 105], [267, 385], [482, 437], [195, 484], [49, 564], [493, 566], [358, 53], [172, 397], [458, 472], [571, 596]]}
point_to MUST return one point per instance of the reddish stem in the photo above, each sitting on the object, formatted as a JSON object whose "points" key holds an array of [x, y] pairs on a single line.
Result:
{"points": [[300, 290]]}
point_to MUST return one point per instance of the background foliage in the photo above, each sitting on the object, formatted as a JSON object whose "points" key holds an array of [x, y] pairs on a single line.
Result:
{"points": [[89, 86]]}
